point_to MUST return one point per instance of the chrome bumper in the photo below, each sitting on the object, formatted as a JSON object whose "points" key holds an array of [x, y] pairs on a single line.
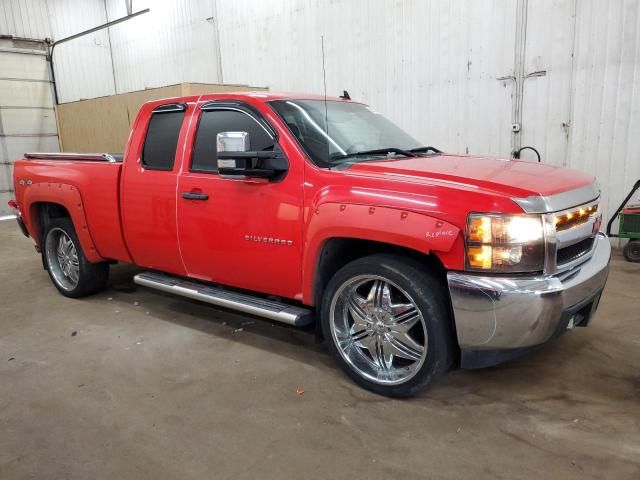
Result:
{"points": [[499, 313]]}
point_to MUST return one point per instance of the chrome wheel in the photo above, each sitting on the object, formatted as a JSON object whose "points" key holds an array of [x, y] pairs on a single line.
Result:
{"points": [[378, 329], [62, 259]]}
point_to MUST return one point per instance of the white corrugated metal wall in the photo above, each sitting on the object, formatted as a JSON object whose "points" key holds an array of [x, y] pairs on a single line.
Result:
{"points": [[83, 67], [432, 66], [173, 43]]}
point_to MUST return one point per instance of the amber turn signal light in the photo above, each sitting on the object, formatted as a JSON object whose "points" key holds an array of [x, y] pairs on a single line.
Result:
{"points": [[574, 217], [480, 229]]}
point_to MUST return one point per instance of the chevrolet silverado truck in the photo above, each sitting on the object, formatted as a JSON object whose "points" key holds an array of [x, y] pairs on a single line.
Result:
{"points": [[301, 209]]}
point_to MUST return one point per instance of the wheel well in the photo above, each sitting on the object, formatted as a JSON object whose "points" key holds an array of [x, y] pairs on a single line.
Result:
{"points": [[44, 212], [337, 252]]}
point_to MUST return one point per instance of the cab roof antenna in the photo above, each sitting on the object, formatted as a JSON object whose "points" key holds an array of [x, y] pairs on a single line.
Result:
{"points": [[345, 95], [324, 81]]}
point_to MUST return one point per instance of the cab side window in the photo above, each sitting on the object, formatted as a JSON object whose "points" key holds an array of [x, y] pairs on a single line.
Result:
{"points": [[161, 142], [213, 122]]}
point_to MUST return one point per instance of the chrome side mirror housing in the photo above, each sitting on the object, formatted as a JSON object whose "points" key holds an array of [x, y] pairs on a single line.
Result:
{"points": [[236, 161], [228, 143]]}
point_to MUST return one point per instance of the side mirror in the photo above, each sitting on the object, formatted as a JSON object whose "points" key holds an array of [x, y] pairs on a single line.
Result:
{"points": [[237, 162], [232, 142]]}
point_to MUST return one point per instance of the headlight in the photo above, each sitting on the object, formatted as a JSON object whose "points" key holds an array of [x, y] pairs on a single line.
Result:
{"points": [[505, 243]]}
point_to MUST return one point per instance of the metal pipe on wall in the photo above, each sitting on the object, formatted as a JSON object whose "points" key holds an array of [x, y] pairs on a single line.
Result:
{"points": [[52, 44]]}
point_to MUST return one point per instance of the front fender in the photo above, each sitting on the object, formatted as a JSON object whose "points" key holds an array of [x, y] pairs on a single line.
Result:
{"points": [[389, 225], [70, 198]]}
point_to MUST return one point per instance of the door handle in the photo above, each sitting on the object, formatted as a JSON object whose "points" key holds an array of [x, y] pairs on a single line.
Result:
{"points": [[195, 196]]}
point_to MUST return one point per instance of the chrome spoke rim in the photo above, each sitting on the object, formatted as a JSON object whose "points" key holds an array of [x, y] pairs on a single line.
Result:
{"points": [[378, 329], [62, 259]]}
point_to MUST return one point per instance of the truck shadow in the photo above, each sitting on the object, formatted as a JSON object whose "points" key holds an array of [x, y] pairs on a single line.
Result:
{"points": [[575, 370], [277, 338]]}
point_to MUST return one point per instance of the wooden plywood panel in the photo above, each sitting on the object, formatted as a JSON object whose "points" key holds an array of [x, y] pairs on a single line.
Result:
{"points": [[103, 124]]}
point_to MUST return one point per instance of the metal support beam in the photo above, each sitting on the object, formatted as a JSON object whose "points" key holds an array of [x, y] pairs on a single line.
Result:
{"points": [[99, 27], [52, 44]]}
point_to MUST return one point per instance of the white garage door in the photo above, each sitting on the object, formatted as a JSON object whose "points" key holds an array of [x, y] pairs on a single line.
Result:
{"points": [[27, 117]]}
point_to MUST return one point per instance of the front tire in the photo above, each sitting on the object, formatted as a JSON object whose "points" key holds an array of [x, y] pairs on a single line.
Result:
{"points": [[387, 323], [70, 271], [632, 251]]}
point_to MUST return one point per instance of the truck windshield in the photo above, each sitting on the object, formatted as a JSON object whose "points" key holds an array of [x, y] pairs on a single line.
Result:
{"points": [[336, 132]]}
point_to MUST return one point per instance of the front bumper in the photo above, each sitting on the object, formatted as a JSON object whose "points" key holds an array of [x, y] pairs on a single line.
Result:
{"points": [[499, 317]]}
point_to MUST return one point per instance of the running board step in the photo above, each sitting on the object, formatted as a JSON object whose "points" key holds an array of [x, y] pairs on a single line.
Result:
{"points": [[273, 310]]}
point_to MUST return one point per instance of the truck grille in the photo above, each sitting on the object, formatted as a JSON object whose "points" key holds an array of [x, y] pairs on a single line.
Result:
{"points": [[575, 251]]}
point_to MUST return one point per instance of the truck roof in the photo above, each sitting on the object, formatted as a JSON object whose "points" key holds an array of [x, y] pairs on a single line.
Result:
{"points": [[250, 96]]}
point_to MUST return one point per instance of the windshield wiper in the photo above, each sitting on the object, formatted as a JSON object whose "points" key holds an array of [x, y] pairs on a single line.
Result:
{"points": [[377, 151], [424, 150]]}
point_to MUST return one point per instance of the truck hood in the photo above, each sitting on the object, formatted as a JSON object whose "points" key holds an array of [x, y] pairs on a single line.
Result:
{"points": [[512, 178]]}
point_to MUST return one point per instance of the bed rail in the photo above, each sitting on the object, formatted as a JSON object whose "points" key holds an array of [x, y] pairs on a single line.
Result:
{"points": [[87, 157]]}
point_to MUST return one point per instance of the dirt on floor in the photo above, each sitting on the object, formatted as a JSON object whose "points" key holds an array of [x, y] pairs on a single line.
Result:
{"points": [[135, 384]]}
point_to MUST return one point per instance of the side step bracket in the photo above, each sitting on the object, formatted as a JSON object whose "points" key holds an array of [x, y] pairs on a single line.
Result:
{"points": [[242, 302]]}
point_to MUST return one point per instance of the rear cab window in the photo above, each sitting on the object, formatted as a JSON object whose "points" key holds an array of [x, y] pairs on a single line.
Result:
{"points": [[161, 141]]}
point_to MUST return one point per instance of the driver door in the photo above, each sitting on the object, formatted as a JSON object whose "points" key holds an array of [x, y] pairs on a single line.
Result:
{"points": [[241, 233]]}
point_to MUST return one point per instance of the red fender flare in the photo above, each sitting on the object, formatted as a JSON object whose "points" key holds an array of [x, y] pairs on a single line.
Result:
{"points": [[70, 198], [394, 226]]}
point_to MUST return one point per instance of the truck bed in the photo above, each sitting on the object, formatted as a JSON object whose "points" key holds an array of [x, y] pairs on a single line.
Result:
{"points": [[96, 176]]}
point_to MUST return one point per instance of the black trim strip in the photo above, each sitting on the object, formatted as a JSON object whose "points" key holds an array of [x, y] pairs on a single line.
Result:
{"points": [[170, 107], [243, 107]]}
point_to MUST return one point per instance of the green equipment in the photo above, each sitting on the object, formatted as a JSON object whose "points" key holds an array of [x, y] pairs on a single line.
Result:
{"points": [[629, 226]]}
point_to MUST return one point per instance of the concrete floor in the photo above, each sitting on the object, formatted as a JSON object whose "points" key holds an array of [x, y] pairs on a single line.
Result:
{"points": [[134, 384]]}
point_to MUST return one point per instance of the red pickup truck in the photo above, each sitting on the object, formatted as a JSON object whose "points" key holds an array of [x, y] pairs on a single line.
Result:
{"points": [[299, 208]]}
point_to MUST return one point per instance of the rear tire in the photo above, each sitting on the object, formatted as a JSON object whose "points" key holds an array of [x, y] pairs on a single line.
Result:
{"points": [[70, 271], [632, 251], [387, 323]]}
